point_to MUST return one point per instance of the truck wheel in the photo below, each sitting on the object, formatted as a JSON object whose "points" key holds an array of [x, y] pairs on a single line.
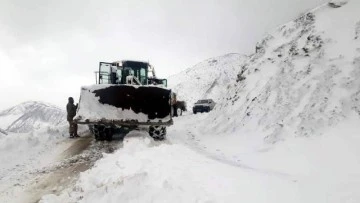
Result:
{"points": [[157, 132]]}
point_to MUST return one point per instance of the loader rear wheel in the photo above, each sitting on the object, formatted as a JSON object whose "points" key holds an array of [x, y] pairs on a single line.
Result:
{"points": [[157, 132]]}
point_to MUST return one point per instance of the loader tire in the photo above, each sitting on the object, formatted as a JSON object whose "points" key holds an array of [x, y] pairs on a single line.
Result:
{"points": [[157, 132], [109, 134], [98, 132], [101, 133]]}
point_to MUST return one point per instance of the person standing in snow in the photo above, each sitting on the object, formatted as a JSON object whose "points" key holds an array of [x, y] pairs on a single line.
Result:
{"points": [[71, 112]]}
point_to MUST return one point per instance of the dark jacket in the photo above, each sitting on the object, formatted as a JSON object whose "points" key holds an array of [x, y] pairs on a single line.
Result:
{"points": [[71, 111]]}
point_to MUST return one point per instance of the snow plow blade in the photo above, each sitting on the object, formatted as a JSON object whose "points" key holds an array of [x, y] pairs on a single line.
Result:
{"points": [[124, 105]]}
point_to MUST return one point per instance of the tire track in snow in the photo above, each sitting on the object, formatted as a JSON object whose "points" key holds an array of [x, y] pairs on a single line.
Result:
{"points": [[237, 163], [192, 144], [79, 157]]}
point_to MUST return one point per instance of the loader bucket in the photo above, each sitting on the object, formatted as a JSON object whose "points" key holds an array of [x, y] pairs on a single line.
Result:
{"points": [[124, 105]]}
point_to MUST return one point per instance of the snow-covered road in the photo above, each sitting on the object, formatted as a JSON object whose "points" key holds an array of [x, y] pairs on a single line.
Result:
{"points": [[143, 171], [194, 167], [46, 163], [190, 166]]}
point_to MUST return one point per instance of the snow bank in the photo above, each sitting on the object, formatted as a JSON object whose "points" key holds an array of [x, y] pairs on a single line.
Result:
{"points": [[325, 168], [23, 154], [144, 172], [18, 148]]}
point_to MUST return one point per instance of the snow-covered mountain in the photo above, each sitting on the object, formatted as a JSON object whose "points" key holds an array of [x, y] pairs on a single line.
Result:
{"points": [[3, 132], [31, 115], [303, 78], [207, 79]]}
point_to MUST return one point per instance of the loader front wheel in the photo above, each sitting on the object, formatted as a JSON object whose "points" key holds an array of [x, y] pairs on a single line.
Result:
{"points": [[101, 133], [157, 132], [109, 134]]}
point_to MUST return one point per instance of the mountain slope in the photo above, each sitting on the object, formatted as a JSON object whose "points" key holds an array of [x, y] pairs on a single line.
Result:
{"points": [[31, 115], [3, 132], [302, 79], [206, 79]]}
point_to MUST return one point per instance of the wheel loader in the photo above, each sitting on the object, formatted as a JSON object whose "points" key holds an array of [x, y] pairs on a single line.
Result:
{"points": [[127, 95]]}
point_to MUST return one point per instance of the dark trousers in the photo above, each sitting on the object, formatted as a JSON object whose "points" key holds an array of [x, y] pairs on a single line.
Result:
{"points": [[72, 128]]}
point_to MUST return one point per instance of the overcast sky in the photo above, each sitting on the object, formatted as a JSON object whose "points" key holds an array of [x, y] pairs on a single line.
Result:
{"points": [[49, 48]]}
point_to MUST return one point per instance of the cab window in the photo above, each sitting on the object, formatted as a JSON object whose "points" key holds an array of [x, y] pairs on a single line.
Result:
{"points": [[104, 73], [142, 76]]}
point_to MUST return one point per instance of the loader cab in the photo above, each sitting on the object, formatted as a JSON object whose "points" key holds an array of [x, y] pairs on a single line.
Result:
{"points": [[120, 72], [128, 72]]}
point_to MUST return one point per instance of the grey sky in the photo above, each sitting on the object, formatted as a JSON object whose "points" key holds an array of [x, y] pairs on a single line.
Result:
{"points": [[49, 48]]}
